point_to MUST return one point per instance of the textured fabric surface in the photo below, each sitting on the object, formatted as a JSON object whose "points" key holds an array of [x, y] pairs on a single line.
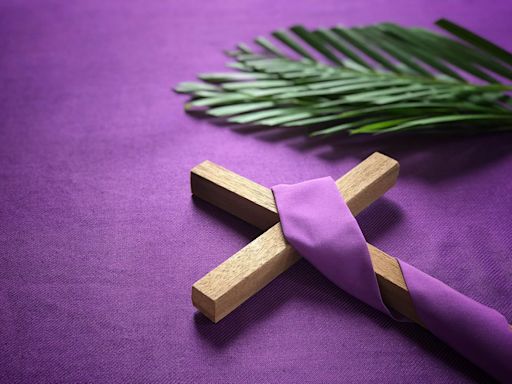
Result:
{"points": [[319, 225], [100, 240]]}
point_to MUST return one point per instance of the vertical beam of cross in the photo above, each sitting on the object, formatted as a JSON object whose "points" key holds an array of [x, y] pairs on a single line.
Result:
{"points": [[254, 266]]}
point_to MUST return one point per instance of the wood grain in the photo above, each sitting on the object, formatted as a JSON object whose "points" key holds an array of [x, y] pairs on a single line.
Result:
{"points": [[254, 266]]}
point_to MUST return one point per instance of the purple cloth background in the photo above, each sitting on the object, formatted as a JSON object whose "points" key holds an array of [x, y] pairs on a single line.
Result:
{"points": [[101, 241]]}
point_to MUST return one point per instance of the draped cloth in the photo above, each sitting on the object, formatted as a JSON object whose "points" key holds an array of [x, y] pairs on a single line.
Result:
{"points": [[317, 222]]}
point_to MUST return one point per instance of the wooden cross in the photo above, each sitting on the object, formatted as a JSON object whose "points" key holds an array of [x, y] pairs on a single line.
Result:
{"points": [[238, 278]]}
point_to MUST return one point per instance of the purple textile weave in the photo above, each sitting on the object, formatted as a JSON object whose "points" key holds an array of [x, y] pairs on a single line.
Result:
{"points": [[100, 241], [320, 226]]}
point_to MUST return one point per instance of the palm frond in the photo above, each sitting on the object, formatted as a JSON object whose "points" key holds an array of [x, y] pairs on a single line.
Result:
{"points": [[380, 78]]}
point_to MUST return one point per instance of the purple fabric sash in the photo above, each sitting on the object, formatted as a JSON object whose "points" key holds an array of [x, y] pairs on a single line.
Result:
{"points": [[319, 225]]}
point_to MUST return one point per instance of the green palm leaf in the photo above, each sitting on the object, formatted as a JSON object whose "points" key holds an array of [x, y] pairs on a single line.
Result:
{"points": [[380, 78]]}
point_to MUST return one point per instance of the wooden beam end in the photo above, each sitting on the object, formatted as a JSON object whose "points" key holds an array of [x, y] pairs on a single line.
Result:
{"points": [[204, 303], [233, 193], [368, 181], [393, 165]]}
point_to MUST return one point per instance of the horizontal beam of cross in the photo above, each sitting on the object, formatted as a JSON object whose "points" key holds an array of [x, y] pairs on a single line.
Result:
{"points": [[242, 275]]}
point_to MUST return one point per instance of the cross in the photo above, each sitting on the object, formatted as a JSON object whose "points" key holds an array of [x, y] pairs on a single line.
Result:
{"points": [[241, 276]]}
